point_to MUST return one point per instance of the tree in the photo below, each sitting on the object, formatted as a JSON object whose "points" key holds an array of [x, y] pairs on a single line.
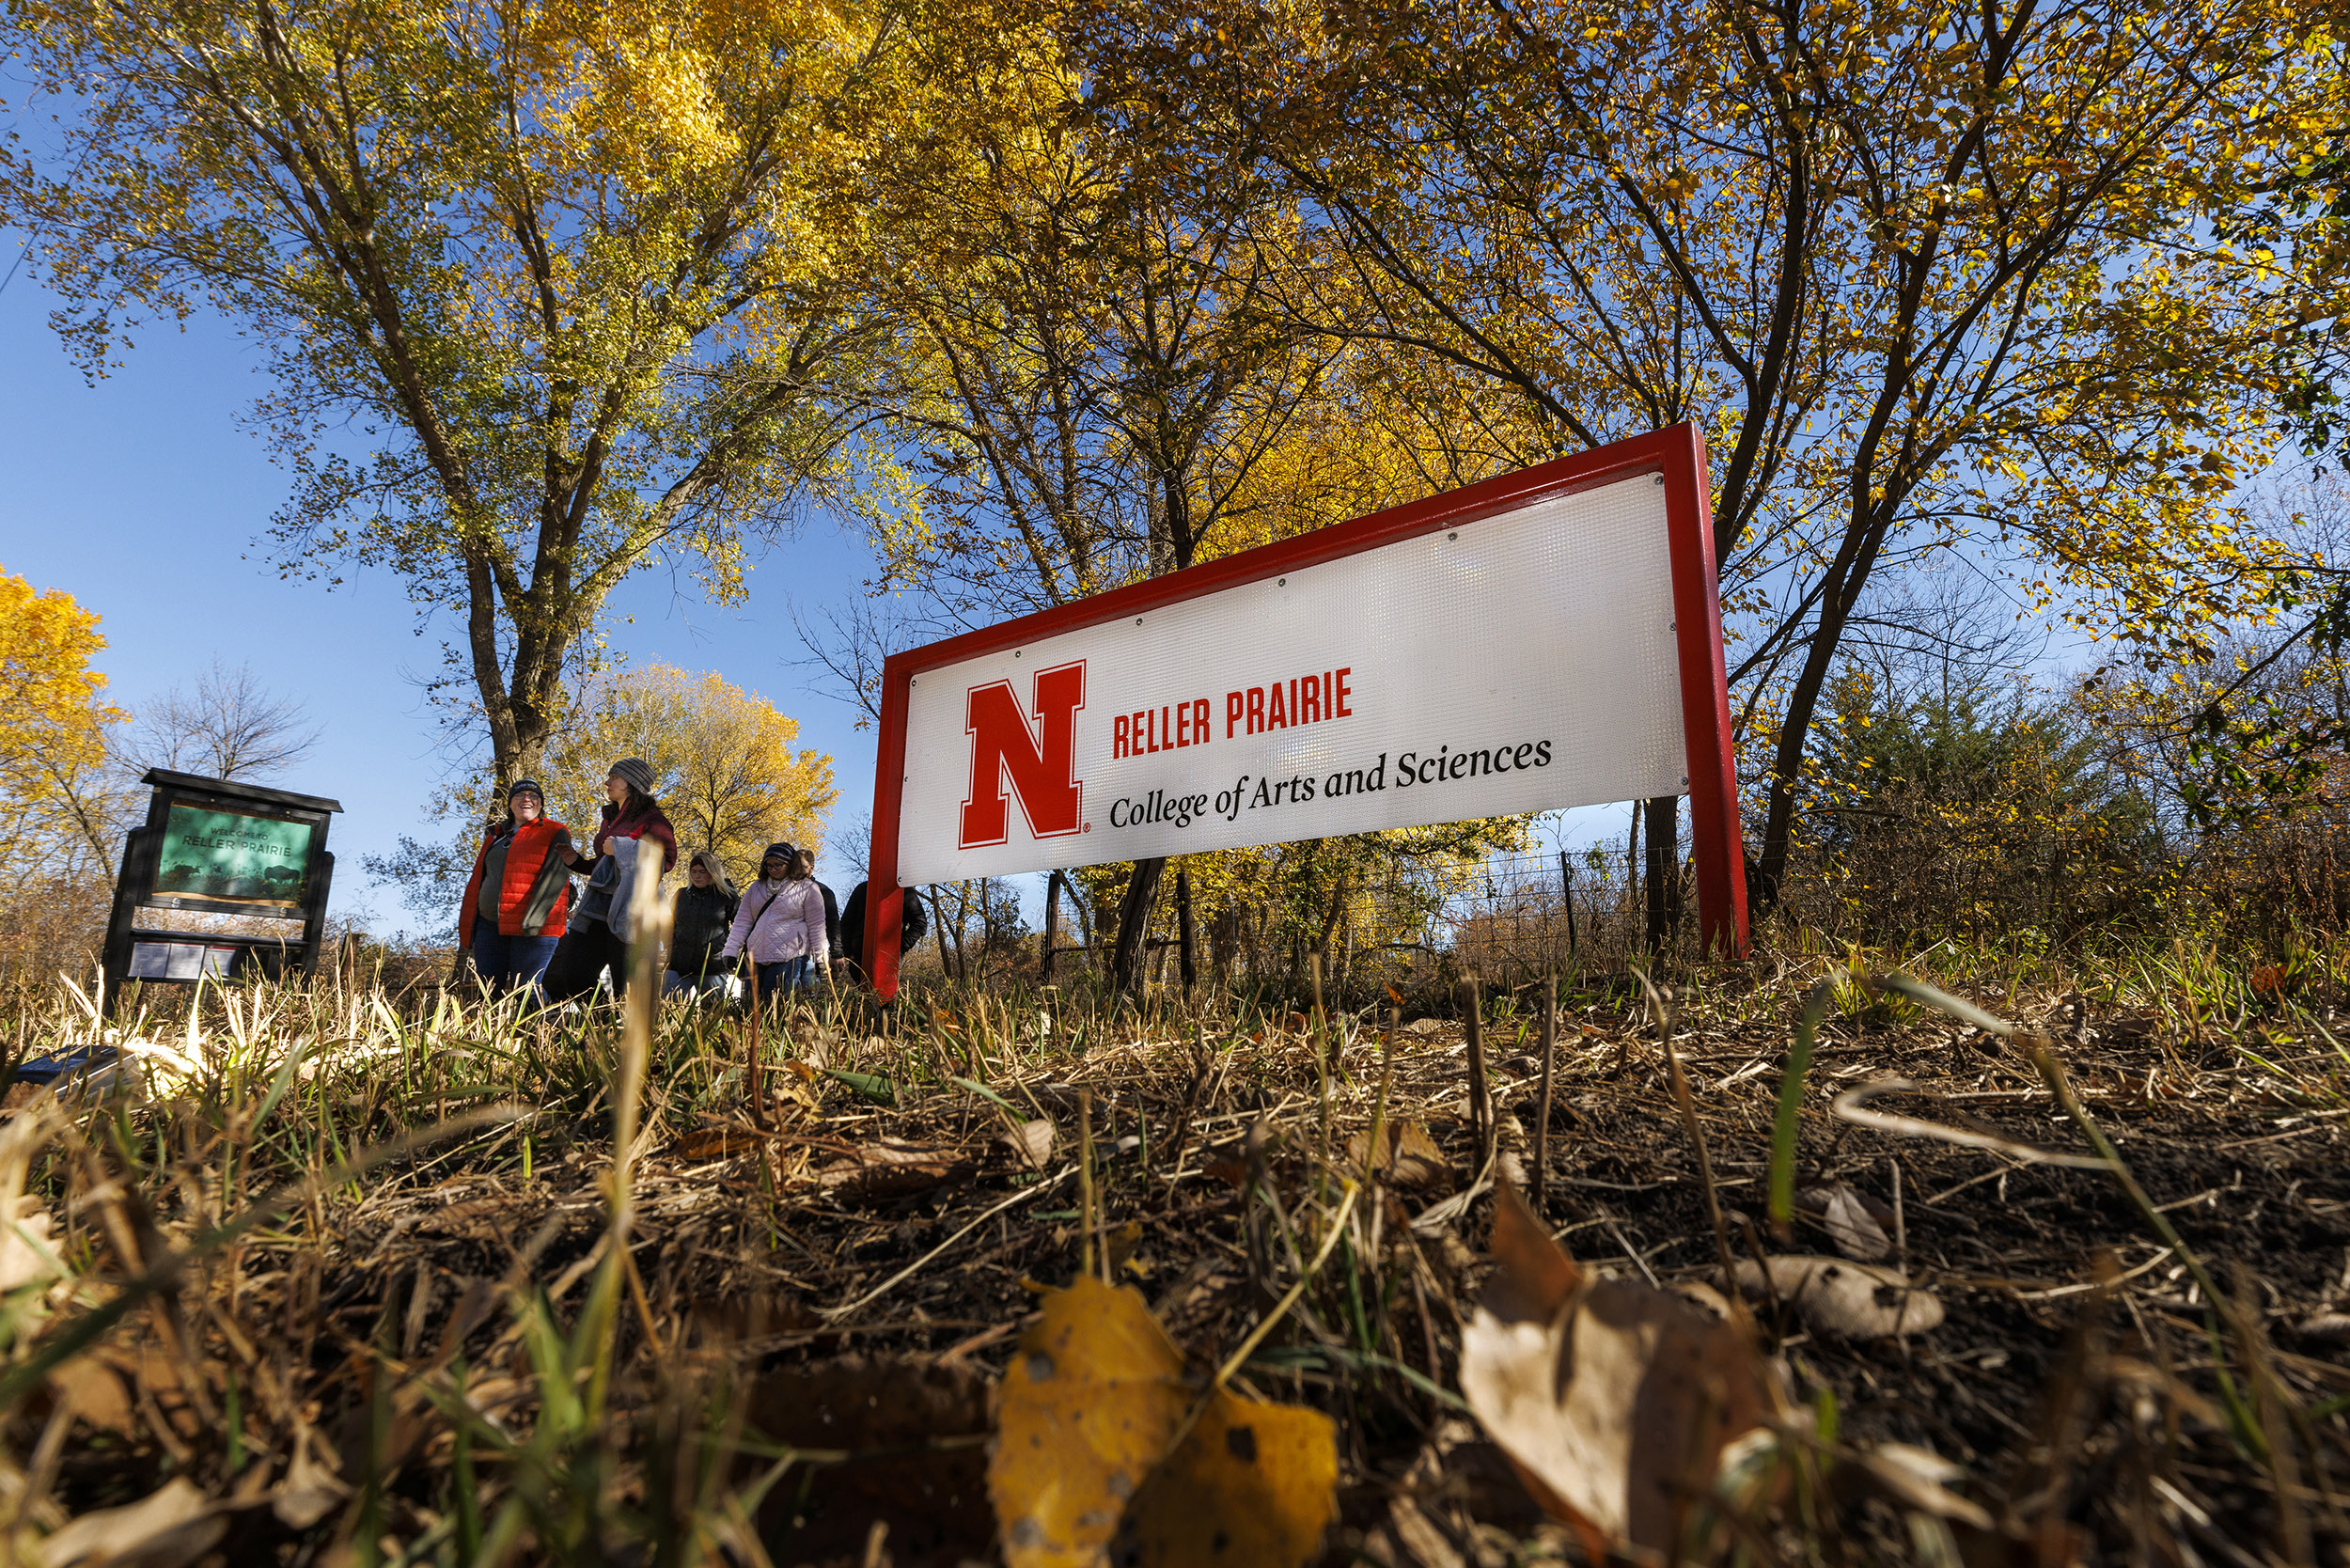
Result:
{"points": [[1922, 271], [1092, 386], [723, 766], [567, 270], [229, 726], [722, 762], [60, 813]]}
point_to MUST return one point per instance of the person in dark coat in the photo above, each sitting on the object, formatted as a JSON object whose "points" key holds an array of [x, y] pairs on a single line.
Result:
{"points": [[705, 908], [832, 906], [910, 925], [515, 903], [635, 839]]}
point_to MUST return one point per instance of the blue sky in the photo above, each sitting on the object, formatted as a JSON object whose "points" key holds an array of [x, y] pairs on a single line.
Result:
{"points": [[145, 497]]}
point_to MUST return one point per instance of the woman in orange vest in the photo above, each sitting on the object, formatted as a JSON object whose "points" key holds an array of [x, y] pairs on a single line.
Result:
{"points": [[520, 893]]}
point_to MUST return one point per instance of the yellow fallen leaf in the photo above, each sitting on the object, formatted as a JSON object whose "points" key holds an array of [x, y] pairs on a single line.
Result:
{"points": [[1122, 1242], [1254, 1483], [1094, 1396], [1105, 1452]]}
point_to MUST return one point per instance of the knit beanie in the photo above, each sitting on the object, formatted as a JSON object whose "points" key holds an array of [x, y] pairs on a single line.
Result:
{"points": [[782, 852], [519, 785], [635, 773]]}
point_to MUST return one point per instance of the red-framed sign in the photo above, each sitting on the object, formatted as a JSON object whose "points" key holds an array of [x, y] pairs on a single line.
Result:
{"points": [[1545, 639]]}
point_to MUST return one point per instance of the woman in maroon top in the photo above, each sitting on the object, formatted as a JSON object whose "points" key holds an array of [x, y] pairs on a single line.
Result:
{"points": [[513, 912], [635, 839]]}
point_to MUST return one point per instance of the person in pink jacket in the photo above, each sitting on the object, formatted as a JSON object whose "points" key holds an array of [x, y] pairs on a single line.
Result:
{"points": [[781, 924]]}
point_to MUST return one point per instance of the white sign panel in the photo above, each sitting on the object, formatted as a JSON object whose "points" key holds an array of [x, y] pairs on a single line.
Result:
{"points": [[1521, 661]]}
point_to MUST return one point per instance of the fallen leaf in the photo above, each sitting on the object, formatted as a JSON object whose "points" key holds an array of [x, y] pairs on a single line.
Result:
{"points": [[311, 1489], [94, 1393], [167, 1528], [1614, 1400], [1409, 1159], [1249, 1482], [891, 1168], [1850, 1300], [1851, 1225], [1094, 1397], [2326, 1326], [1920, 1479], [1120, 1243], [1102, 1441], [717, 1141], [1031, 1142], [24, 1242]]}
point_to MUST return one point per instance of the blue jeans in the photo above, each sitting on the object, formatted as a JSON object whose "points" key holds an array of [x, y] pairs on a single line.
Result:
{"points": [[507, 961], [788, 975]]}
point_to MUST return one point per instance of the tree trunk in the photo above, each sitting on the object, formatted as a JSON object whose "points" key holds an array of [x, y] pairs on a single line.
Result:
{"points": [[1664, 870], [1190, 961], [1051, 925], [1632, 863], [1848, 575], [1134, 926]]}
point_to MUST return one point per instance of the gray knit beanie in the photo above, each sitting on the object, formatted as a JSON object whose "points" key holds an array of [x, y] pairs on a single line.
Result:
{"points": [[635, 773]]}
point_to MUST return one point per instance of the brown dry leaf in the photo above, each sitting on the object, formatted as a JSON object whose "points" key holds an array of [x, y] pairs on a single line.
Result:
{"points": [[24, 1242], [167, 1528], [1613, 1400], [1254, 1483], [1031, 1142], [1853, 1301], [1921, 1478], [311, 1489], [149, 1372], [892, 1168], [95, 1394], [1092, 1404], [1852, 1226], [717, 1141], [1409, 1159], [1092, 1399]]}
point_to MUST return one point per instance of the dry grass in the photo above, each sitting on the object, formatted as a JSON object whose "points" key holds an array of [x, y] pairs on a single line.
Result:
{"points": [[378, 1286]]}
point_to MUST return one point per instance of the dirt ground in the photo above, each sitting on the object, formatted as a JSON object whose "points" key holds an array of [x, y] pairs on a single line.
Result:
{"points": [[856, 1274]]}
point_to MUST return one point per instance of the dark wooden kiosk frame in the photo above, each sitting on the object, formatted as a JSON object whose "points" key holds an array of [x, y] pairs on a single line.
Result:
{"points": [[131, 924]]}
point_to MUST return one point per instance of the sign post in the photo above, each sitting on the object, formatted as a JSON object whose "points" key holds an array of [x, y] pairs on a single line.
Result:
{"points": [[225, 879], [1544, 639]]}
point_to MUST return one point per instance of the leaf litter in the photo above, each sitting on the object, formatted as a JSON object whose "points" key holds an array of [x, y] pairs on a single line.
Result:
{"points": [[839, 1289]]}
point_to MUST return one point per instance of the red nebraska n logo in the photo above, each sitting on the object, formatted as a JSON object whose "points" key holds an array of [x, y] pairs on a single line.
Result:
{"points": [[1039, 765]]}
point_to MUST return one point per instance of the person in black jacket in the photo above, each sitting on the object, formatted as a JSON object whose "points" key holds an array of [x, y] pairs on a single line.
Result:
{"points": [[910, 925], [705, 908], [832, 908]]}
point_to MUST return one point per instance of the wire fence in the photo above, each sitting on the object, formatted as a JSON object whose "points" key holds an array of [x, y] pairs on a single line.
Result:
{"points": [[1594, 909]]}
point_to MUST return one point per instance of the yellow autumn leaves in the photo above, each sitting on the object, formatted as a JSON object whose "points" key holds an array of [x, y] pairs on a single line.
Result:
{"points": [[1106, 1451], [52, 721]]}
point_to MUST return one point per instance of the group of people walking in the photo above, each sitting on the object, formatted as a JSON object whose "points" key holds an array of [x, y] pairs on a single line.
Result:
{"points": [[523, 926]]}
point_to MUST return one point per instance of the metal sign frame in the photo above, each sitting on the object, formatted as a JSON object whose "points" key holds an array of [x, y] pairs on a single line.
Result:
{"points": [[1677, 454], [230, 955]]}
